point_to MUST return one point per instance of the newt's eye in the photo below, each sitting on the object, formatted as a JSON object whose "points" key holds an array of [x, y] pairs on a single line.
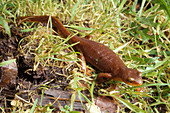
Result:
{"points": [[130, 80]]}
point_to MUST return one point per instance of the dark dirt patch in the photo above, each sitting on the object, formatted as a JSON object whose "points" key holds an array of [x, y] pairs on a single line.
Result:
{"points": [[27, 80]]}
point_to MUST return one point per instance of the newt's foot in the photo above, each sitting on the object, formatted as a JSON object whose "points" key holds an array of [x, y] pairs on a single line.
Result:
{"points": [[101, 76], [113, 87]]}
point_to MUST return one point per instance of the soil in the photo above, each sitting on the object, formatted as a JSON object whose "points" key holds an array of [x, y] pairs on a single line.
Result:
{"points": [[18, 78]]}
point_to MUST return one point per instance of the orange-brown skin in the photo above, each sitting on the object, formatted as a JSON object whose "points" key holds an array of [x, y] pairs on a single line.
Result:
{"points": [[95, 53]]}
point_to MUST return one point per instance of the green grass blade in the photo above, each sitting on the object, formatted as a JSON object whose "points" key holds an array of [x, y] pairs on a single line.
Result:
{"points": [[4, 23], [164, 5], [129, 105], [33, 107], [7, 62], [74, 9]]}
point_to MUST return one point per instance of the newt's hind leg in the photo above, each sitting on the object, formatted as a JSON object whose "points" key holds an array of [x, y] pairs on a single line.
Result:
{"points": [[83, 64]]}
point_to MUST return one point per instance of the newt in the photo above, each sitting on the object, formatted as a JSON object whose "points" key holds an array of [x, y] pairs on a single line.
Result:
{"points": [[97, 54]]}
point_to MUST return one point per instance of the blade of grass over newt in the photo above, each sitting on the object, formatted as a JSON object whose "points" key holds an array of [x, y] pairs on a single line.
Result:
{"points": [[79, 28]]}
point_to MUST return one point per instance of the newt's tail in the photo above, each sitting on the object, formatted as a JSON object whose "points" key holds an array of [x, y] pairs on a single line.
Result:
{"points": [[57, 25]]}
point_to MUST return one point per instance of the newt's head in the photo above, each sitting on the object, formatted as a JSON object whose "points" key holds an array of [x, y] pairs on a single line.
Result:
{"points": [[132, 77]]}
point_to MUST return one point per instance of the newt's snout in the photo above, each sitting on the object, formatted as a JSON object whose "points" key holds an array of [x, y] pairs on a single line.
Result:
{"points": [[133, 77]]}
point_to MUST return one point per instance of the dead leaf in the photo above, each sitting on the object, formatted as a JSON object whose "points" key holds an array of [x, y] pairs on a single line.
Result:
{"points": [[106, 104], [9, 73]]}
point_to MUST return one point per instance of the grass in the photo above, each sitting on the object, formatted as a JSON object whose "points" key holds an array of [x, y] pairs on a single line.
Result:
{"points": [[140, 38]]}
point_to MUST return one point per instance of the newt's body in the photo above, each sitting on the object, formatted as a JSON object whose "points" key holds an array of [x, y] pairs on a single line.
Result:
{"points": [[95, 53]]}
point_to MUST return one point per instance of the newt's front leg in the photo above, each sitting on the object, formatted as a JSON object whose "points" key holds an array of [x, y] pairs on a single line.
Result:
{"points": [[101, 76]]}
